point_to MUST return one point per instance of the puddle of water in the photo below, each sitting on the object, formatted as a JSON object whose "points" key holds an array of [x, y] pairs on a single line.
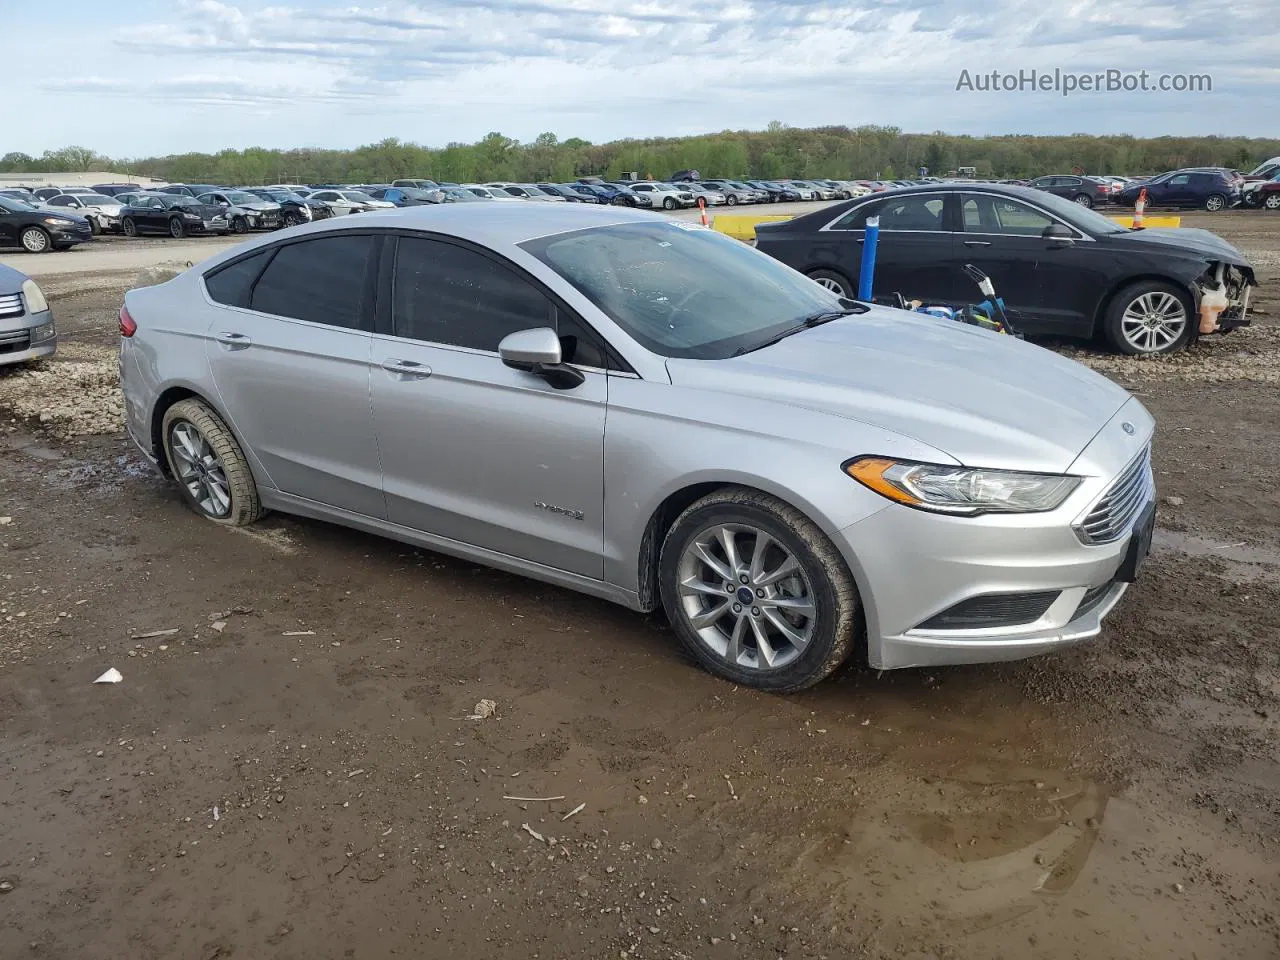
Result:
{"points": [[1243, 560], [37, 452]]}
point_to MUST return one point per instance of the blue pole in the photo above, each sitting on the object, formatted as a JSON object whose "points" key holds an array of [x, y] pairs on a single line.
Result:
{"points": [[866, 274]]}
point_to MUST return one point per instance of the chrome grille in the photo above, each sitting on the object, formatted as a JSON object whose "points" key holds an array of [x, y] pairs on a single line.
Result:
{"points": [[11, 305], [1113, 515]]}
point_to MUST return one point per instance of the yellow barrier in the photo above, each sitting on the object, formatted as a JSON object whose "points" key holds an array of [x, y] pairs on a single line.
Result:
{"points": [[742, 226], [1149, 221]]}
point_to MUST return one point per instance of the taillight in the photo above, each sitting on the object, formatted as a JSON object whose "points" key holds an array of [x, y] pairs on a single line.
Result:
{"points": [[127, 326]]}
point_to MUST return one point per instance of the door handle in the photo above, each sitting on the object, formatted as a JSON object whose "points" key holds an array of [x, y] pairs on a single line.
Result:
{"points": [[234, 341], [977, 243], [407, 369]]}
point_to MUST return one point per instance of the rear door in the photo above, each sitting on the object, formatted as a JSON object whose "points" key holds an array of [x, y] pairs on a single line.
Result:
{"points": [[918, 253], [1050, 287], [474, 451], [289, 353]]}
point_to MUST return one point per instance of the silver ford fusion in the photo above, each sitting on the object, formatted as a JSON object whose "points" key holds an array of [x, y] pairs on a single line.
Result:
{"points": [[26, 322], [650, 412]]}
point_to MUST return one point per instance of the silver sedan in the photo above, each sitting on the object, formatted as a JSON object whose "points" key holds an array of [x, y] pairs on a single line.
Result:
{"points": [[26, 322], [791, 476]]}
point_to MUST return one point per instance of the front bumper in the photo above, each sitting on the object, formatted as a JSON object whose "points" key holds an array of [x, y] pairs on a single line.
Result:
{"points": [[68, 234], [913, 566], [15, 339]]}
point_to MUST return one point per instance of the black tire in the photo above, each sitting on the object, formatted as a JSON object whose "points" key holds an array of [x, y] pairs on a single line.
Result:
{"points": [[1083, 199], [669, 203], [1271, 201], [35, 240], [833, 278], [239, 225], [129, 227], [245, 506], [831, 588], [291, 219], [1215, 202], [731, 200], [177, 229], [1112, 322], [94, 229]]}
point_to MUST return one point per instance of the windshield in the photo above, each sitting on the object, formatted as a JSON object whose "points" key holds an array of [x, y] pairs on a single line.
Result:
{"points": [[1083, 217], [97, 200], [239, 196], [681, 290], [14, 205]]}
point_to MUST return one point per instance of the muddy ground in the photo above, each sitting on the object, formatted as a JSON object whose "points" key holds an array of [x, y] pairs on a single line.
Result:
{"points": [[288, 771]]}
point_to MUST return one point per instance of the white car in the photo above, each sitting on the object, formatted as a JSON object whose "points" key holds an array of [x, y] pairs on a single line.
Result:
{"points": [[349, 201], [490, 193], [664, 194], [102, 212]]}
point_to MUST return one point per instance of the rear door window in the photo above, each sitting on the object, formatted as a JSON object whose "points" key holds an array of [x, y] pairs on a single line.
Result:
{"points": [[233, 284], [328, 280]]}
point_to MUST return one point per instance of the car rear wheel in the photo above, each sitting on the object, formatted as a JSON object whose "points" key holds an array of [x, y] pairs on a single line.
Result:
{"points": [[177, 229], [1272, 201], [836, 282], [1215, 202], [1083, 199], [129, 227], [1148, 318], [208, 465], [36, 240], [756, 592]]}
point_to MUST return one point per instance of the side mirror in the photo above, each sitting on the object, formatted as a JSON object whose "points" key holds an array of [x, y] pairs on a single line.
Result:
{"points": [[224, 204], [1060, 233], [537, 351]]}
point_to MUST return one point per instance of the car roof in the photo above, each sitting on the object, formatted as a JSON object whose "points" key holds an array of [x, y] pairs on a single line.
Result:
{"points": [[496, 225]]}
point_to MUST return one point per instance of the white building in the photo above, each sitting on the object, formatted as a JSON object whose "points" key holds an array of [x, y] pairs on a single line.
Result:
{"points": [[34, 180]]}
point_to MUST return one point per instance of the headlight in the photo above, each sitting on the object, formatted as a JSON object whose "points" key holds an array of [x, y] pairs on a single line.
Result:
{"points": [[192, 216], [966, 491], [34, 297], [58, 221], [41, 333]]}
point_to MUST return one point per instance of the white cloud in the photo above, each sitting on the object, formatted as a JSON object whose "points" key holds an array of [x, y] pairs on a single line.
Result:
{"points": [[215, 73]]}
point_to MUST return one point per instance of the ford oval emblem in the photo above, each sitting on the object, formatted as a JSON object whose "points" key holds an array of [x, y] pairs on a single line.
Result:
{"points": [[1127, 427]]}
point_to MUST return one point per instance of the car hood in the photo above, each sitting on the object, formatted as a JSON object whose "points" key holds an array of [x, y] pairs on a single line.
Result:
{"points": [[110, 209], [11, 280], [260, 206], [1202, 242], [985, 399]]}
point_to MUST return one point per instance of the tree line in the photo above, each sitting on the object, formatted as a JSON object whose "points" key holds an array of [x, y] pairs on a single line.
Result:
{"points": [[778, 151]]}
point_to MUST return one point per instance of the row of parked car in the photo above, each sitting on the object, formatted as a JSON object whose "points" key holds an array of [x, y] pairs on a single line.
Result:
{"points": [[1203, 188]]}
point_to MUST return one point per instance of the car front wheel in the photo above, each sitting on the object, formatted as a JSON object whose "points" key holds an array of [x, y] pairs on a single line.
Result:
{"points": [[756, 592], [1215, 202], [239, 225], [129, 227], [1149, 317], [208, 465], [837, 283], [177, 229], [36, 240]]}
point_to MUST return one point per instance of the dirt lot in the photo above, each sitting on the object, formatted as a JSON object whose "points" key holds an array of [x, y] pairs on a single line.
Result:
{"points": [[287, 770]]}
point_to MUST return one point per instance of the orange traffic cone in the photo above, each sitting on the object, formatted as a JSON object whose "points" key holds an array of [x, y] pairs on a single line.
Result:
{"points": [[702, 206], [1138, 209]]}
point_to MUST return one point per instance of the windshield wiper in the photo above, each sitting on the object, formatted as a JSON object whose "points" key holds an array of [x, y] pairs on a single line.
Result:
{"points": [[816, 319]]}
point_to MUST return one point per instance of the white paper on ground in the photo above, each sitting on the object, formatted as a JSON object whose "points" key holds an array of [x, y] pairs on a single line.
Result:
{"points": [[111, 676]]}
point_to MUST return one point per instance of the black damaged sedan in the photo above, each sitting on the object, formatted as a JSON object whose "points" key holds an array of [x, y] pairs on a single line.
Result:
{"points": [[175, 215], [1062, 269]]}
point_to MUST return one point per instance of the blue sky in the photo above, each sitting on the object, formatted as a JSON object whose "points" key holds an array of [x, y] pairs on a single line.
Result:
{"points": [[143, 77]]}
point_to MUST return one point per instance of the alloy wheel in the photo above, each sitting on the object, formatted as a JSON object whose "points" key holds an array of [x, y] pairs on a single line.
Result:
{"points": [[1272, 202], [35, 240], [746, 596], [1084, 200], [1153, 322], [831, 284], [199, 470], [1214, 203]]}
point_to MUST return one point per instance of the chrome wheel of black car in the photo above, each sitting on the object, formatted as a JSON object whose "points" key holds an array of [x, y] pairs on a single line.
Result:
{"points": [[176, 229], [1084, 200], [36, 240], [130, 228], [1148, 318], [834, 282]]}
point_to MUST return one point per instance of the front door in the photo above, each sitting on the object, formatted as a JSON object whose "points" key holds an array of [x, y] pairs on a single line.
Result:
{"points": [[473, 450], [292, 368], [1049, 287]]}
